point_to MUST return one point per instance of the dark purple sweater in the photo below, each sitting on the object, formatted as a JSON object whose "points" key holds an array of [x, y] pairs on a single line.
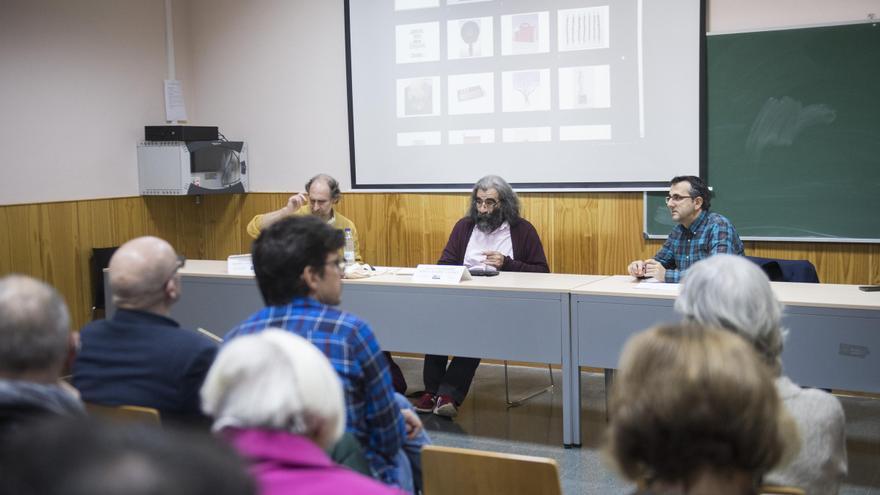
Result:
{"points": [[528, 253]]}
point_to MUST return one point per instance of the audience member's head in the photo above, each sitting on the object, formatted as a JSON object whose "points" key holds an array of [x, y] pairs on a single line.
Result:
{"points": [[35, 338], [296, 257], [275, 380], [143, 275], [90, 458], [693, 403], [731, 292], [493, 202]]}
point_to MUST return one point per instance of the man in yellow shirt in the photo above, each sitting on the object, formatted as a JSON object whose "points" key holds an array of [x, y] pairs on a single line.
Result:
{"points": [[322, 193]]}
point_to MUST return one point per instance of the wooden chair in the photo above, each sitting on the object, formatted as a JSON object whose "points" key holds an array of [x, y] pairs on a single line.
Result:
{"points": [[454, 471], [780, 490], [131, 414]]}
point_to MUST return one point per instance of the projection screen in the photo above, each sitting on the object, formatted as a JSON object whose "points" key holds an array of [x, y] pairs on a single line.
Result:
{"points": [[559, 94]]}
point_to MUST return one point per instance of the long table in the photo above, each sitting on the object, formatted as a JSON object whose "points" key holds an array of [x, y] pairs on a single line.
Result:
{"points": [[513, 316], [833, 339], [571, 320]]}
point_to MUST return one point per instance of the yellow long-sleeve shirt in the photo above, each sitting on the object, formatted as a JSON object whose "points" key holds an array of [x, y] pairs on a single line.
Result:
{"points": [[338, 221]]}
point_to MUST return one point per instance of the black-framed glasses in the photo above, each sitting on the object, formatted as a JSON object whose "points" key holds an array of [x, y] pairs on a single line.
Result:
{"points": [[488, 203], [339, 264], [178, 264], [675, 198]]}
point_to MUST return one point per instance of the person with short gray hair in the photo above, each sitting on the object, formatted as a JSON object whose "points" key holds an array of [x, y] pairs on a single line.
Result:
{"points": [[140, 356], [35, 344], [733, 293], [278, 400], [492, 238]]}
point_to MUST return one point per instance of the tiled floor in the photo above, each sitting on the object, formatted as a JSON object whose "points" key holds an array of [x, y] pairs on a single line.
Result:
{"points": [[535, 428]]}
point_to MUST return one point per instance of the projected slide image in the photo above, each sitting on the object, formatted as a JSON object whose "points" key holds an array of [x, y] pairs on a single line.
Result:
{"points": [[427, 138], [418, 42], [585, 87], [526, 134], [472, 136], [525, 90], [415, 4], [469, 38], [584, 132], [583, 29], [525, 33], [471, 93], [418, 97]]}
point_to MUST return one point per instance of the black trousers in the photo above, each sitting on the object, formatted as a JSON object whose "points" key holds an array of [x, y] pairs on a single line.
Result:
{"points": [[454, 381], [397, 379]]}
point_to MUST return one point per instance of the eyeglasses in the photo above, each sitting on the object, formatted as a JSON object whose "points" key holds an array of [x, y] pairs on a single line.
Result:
{"points": [[181, 261], [675, 198], [488, 203], [339, 264]]}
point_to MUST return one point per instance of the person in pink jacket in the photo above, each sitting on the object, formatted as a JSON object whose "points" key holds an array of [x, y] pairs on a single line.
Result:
{"points": [[278, 401]]}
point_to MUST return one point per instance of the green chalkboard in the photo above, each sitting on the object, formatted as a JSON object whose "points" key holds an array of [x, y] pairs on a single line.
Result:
{"points": [[793, 133]]}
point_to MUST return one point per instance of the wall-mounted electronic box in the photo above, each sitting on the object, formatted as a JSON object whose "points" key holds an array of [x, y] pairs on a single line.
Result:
{"points": [[178, 166]]}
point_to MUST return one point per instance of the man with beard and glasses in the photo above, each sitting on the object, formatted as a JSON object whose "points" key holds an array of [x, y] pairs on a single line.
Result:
{"points": [[493, 237]]}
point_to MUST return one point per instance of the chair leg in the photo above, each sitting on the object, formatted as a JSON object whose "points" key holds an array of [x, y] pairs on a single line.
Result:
{"points": [[523, 399], [609, 379]]}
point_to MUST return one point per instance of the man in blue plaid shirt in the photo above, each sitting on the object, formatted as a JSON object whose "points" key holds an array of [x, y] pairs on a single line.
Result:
{"points": [[698, 235], [299, 273]]}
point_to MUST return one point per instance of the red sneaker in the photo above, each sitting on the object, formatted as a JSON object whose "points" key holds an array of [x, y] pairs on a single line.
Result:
{"points": [[446, 407], [426, 403]]}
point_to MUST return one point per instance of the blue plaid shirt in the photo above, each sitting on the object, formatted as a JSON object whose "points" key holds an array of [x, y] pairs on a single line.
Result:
{"points": [[372, 413], [710, 234]]}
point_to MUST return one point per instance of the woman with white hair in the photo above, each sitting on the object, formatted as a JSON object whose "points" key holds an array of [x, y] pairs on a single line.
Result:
{"points": [[278, 400], [733, 293]]}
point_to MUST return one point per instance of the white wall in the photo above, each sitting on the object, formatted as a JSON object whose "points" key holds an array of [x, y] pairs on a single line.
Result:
{"points": [[272, 72], [78, 81]]}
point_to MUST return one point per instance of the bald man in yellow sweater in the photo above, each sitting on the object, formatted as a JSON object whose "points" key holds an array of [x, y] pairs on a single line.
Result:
{"points": [[322, 193]]}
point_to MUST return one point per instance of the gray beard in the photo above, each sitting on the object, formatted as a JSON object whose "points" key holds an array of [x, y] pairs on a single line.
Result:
{"points": [[489, 222]]}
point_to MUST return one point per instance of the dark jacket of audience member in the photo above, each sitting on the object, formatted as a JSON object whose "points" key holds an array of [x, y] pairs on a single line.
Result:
{"points": [[144, 359]]}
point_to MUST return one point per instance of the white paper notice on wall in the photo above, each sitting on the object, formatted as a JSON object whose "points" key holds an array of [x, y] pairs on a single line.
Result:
{"points": [[441, 274], [175, 108]]}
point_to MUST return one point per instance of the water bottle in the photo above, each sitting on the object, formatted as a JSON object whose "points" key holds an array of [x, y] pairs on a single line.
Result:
{"points": [[348, 250]]}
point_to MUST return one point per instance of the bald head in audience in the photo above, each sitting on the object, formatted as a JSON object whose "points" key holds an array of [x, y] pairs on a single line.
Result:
{"points": [[35, 338], [143, 275]]}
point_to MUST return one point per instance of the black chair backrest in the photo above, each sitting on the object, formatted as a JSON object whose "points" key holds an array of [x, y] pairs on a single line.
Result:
{"points": [[779, 270], [100, 260]]}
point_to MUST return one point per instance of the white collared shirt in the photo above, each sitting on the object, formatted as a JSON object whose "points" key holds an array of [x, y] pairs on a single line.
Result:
{"points": [[497, 240]]}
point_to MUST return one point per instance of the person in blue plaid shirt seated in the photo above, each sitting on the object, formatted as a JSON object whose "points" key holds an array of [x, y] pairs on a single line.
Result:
{"points": [[299, 272], [698, 235]]}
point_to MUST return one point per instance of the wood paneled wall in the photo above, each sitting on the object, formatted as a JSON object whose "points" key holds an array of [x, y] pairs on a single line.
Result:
{"points": [[582, 233]]}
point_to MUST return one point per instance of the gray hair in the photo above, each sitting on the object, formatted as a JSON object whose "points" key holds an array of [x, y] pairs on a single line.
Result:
{"points": [[731, 292], [34, 325], [509, 201], [277, 380]]}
